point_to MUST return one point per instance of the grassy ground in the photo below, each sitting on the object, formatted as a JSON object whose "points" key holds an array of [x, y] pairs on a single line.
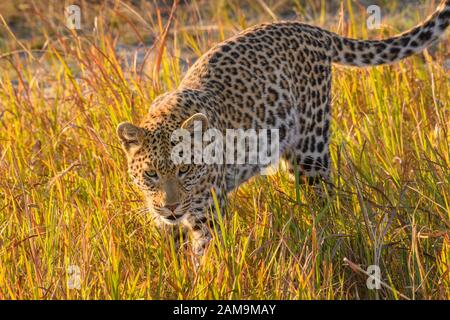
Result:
{"points": [[66, 200]]}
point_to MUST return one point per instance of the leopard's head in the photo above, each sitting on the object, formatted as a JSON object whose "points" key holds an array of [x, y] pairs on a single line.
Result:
{"points": [[172, 189]]}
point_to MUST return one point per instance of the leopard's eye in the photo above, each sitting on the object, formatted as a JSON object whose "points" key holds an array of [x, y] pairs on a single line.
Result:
{"points": [[183, 169], [151, 174]]}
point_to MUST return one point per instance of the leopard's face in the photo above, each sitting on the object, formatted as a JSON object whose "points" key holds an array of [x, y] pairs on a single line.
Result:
{"points": [[172, 190]]}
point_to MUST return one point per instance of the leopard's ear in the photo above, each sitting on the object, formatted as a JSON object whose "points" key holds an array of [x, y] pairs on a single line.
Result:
{"points": [[192, 121], [130, 136]]}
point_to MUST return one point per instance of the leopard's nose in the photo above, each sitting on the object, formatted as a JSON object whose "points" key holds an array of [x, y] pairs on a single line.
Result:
{"points": [[171, 207]]}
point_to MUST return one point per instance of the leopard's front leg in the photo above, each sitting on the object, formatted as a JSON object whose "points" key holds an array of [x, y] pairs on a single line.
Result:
{"points": [[201, 235], [203, 224], [202, 220], [177, 232], [200, 226]]}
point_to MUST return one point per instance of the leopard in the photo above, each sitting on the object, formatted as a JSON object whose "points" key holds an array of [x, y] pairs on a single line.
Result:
{"points": [[272, 75]]}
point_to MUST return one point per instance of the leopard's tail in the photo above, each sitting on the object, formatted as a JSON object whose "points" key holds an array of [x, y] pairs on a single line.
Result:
{"points": [[362, 53]]}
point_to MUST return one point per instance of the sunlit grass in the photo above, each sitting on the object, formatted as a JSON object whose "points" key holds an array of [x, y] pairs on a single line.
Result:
{"points": [[65, 198]]}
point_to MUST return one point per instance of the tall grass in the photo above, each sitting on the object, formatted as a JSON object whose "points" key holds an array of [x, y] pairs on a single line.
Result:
{"points": [[65, 198]]}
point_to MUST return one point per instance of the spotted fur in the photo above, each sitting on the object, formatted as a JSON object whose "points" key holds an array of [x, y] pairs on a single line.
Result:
{"points": [[274, 75]]}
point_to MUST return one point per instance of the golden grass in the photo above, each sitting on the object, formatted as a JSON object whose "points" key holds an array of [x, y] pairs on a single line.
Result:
{"points": [[65, 198]]}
